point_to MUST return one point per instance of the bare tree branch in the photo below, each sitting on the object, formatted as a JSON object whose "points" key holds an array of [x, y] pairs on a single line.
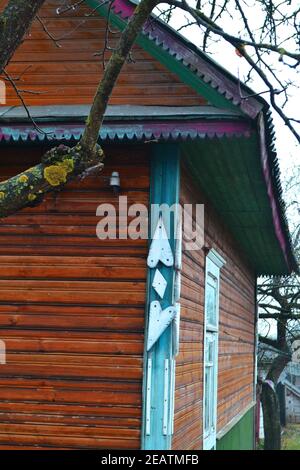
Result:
{"points": [[239, 44], [15, 21]]}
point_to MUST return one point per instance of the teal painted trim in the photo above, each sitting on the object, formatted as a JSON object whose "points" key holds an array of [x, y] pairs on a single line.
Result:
{"points": [[185, 74], [170, 62], [164, 188], [241, 436]]}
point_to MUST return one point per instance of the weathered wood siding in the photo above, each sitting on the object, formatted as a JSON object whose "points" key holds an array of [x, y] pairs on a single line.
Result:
{"points": [[69, 74], [236, 339], [72, 314], [292, 406]]}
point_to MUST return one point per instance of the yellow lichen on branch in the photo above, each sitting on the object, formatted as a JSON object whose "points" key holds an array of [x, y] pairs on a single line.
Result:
{"points": [[56, 174]]}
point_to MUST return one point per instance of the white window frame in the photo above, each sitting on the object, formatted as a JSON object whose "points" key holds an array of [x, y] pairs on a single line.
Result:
{"points": [[213, 264]]}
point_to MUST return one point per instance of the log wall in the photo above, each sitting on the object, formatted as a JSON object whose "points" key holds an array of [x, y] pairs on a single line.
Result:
{"points": [[236, 334], [72, 314]]}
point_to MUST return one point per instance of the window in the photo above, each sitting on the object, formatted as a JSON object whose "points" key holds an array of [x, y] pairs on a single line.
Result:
{"points": [[214, 262]]}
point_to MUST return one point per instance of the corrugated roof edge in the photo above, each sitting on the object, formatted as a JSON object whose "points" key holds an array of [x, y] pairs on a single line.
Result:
{"points": [[68, 128], [229, 86]]}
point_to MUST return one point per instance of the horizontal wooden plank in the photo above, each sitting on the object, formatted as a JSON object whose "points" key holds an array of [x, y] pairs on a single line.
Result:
{"points": [[49, 90], [63, 370], [66, 261], [39, 419], [91, 311], [107, 432], [64, 397], [137, 78], [76, 322], [70, 272], [73, 250], [70, 442], [80, 67], [82, 410], [66, 285], [121, 346], [73, 297]]}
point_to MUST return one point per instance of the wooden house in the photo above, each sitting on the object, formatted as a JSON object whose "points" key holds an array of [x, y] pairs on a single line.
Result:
{"points": [[80, 370]]}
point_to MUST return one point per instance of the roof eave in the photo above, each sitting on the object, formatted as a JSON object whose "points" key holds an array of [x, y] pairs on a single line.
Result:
{"points": [[228, 87]]}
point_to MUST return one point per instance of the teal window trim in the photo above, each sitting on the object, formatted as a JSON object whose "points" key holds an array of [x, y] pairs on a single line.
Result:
{"points": [[164, 188]]}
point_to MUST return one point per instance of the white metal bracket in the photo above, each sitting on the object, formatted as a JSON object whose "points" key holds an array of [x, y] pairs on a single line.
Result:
{"points": [[177, 286], [159, 320], [178, 243], [159, 283], [176, 330], [172, 395], [160, 249], [148, 397], [166, 398]]}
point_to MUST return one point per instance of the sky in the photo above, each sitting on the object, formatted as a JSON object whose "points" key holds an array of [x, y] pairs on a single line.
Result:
{"points": [[286, 144]]}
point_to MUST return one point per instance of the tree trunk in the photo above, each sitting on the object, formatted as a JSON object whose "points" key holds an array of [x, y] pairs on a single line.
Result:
{"points": [[269, 398], [271, 414]]}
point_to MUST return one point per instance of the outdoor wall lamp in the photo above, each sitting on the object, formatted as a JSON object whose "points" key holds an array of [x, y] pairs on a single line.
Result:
{"points": [[114, 182]]}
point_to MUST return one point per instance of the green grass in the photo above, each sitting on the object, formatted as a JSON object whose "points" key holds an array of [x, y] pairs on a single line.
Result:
{"points": [[291, 437]]}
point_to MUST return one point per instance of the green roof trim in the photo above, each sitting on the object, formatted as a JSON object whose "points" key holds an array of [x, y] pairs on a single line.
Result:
{"points": [[185, 74]]}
